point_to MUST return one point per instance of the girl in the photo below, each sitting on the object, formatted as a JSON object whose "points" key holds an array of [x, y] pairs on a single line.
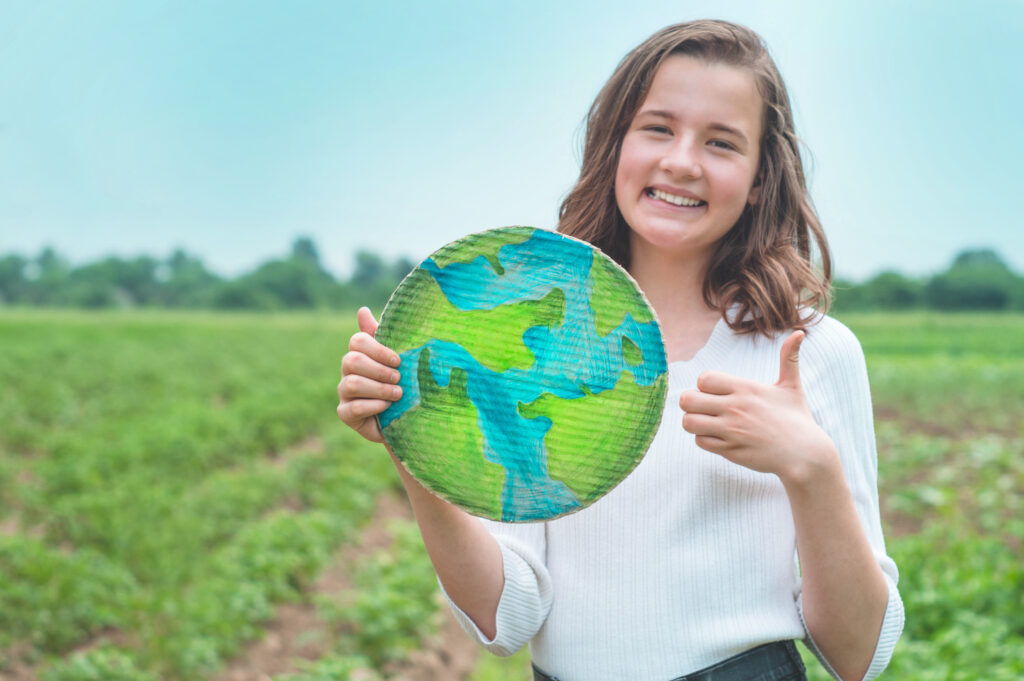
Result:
{"points": [[753, 519]]}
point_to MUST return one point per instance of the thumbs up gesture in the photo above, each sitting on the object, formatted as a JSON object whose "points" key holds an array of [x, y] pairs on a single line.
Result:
{"points": [[767, 428]]}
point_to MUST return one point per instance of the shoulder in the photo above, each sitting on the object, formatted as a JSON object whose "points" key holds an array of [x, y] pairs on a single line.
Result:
{"points": [[828, 335], [831, 353]]}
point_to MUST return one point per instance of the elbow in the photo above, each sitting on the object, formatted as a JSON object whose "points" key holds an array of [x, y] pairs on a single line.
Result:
{"points": [[853, 672]]}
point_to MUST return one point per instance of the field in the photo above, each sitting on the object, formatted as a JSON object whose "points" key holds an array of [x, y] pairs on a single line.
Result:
{"points": [[177, 498]]}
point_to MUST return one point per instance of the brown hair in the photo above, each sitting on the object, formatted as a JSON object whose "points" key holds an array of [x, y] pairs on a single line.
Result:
{"points": [[763, 264]]}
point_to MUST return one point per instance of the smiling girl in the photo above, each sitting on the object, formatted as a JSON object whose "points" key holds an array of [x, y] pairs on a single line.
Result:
{"points": [[753, 519]]}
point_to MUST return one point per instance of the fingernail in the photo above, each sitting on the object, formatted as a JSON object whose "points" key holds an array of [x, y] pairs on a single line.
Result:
{"points": [[396, 391], [395, 360], [395, 376]]}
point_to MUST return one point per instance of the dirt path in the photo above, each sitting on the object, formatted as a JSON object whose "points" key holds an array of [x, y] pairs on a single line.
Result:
{"points": [[296, 633]]}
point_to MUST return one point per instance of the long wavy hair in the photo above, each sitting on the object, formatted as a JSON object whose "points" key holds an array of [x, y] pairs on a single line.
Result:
{"points": [[764, 263]]}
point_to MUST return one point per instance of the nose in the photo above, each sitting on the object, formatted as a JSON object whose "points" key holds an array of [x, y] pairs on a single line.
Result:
{"points": [[681, 159]]}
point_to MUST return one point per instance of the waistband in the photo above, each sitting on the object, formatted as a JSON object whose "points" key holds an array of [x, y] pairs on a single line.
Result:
{"points": [[768, 662]]}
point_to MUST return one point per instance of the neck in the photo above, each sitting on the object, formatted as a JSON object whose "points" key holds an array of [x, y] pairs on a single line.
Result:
{"points": [[674, 287]]}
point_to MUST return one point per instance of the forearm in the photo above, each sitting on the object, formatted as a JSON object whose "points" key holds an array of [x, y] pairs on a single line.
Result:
{"points": [[844, 590], [466, 557]]}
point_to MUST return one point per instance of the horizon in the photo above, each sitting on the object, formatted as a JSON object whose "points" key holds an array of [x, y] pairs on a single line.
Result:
{"points": [[285, 253]]}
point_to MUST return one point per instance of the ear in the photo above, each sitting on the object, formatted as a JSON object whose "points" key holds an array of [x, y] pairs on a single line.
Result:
{"points": [[755, 194]]}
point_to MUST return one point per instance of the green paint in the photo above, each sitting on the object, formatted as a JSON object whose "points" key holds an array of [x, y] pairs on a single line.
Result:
{"points": [[631, 352], [442, 425], [613, 295], [422, 312], [615, 444], [485, 244]]}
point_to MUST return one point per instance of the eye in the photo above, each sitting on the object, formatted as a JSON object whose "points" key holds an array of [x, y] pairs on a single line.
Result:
{"points": [[722, 144], [658, 129]]}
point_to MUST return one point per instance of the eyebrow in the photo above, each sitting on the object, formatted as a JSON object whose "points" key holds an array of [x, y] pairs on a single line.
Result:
{"points": [[658, 113]]}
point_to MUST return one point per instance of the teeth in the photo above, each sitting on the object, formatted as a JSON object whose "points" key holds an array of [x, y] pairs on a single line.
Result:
{"points": [[672, 198]]}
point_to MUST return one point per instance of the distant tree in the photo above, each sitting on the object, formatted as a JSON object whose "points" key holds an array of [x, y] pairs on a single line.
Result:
{"points": [[91, 286], [848, 296], [13, 282], [187, 282], [50, 260], [982, 257], [304, 249], [239, 295], [48, 274], [893, 291], [401, 267], [292, 284], [977, 280], [137, 278], [370, 269], [1017, 294], [374, 280], [114, 282]]}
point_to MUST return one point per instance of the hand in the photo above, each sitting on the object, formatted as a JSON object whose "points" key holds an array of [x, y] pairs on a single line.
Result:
{"points": [[368, 379], [767, 428]]}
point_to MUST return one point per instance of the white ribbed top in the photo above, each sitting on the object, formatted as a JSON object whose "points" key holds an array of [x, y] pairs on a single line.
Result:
{"points": [[691, 559]]}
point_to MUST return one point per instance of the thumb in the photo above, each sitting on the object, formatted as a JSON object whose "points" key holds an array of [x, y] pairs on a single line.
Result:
{"points": [[789, 361], [367, 323]]}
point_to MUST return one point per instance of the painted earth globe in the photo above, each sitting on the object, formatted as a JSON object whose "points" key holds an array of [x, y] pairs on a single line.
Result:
{"points": [[533, 374]]}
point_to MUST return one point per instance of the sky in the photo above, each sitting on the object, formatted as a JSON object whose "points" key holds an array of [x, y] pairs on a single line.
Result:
{"points": [[230, 128]]}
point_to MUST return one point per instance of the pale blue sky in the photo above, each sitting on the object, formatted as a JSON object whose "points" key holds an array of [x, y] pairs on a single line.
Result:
{"points": [[229, 128]]}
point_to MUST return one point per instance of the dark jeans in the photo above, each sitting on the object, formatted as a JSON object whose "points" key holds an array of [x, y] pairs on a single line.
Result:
{"points": [[778, 661]]}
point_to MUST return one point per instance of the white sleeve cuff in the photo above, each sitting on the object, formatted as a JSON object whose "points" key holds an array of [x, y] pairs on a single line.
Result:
{"points": [[523, 606], [892, 627]]}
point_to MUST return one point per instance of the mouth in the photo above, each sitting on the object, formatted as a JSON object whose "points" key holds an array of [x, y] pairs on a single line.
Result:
{"points": [[674, 199]]}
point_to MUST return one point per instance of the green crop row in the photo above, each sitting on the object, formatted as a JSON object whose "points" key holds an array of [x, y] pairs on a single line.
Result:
{"points": [[392, 612], [168, 479], [187, 630], [959, 374], [52, 600], [393, 609]]}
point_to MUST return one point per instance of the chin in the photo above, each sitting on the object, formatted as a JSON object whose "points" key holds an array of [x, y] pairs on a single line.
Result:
{"points": [[668, 242]]}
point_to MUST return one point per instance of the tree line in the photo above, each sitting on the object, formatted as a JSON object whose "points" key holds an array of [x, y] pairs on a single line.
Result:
{"points": [[975, 280], [298, 281]]}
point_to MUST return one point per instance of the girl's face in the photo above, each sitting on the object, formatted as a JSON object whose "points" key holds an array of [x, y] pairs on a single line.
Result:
{"points": [[688, 162]]}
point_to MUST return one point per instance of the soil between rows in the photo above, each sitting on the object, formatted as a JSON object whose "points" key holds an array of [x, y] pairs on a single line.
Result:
{"points": [[297, 633]]}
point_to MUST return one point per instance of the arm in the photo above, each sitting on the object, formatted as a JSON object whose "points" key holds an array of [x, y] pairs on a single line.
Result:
{"points": [[839, 397], [470, 563], [467, 559], [771, 428], [844, 594]]}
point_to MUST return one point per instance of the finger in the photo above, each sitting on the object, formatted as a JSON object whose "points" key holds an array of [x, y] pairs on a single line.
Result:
{"points": [[359, 364], [702, 424], [367, 323], [354, 387], [694, 401], [715, 445], [355, 412], [716, 383], [363, 342], [789, 361]]}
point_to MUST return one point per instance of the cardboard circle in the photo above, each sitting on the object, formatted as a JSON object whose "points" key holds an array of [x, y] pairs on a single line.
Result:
{"points": [[533, 374]]}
